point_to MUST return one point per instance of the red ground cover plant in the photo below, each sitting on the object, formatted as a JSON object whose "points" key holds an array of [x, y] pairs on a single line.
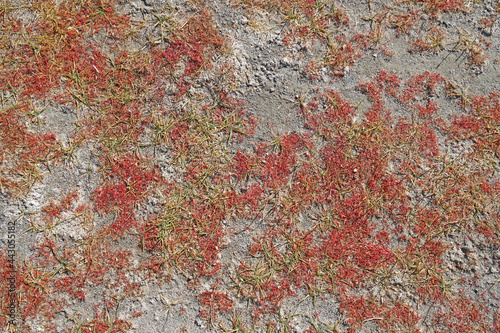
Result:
{"points": [[358, 184], [214, 304], [436, 6], [462, 314], [312, 22], [363, 198], [23, 153], [76, 56], [128, 181]]}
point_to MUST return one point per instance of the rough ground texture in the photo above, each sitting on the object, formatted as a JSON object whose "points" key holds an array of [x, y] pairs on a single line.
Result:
{"points": [[250, 166]]}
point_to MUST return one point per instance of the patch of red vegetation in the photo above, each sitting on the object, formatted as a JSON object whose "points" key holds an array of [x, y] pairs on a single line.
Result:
{"points": [[128, 180]]}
